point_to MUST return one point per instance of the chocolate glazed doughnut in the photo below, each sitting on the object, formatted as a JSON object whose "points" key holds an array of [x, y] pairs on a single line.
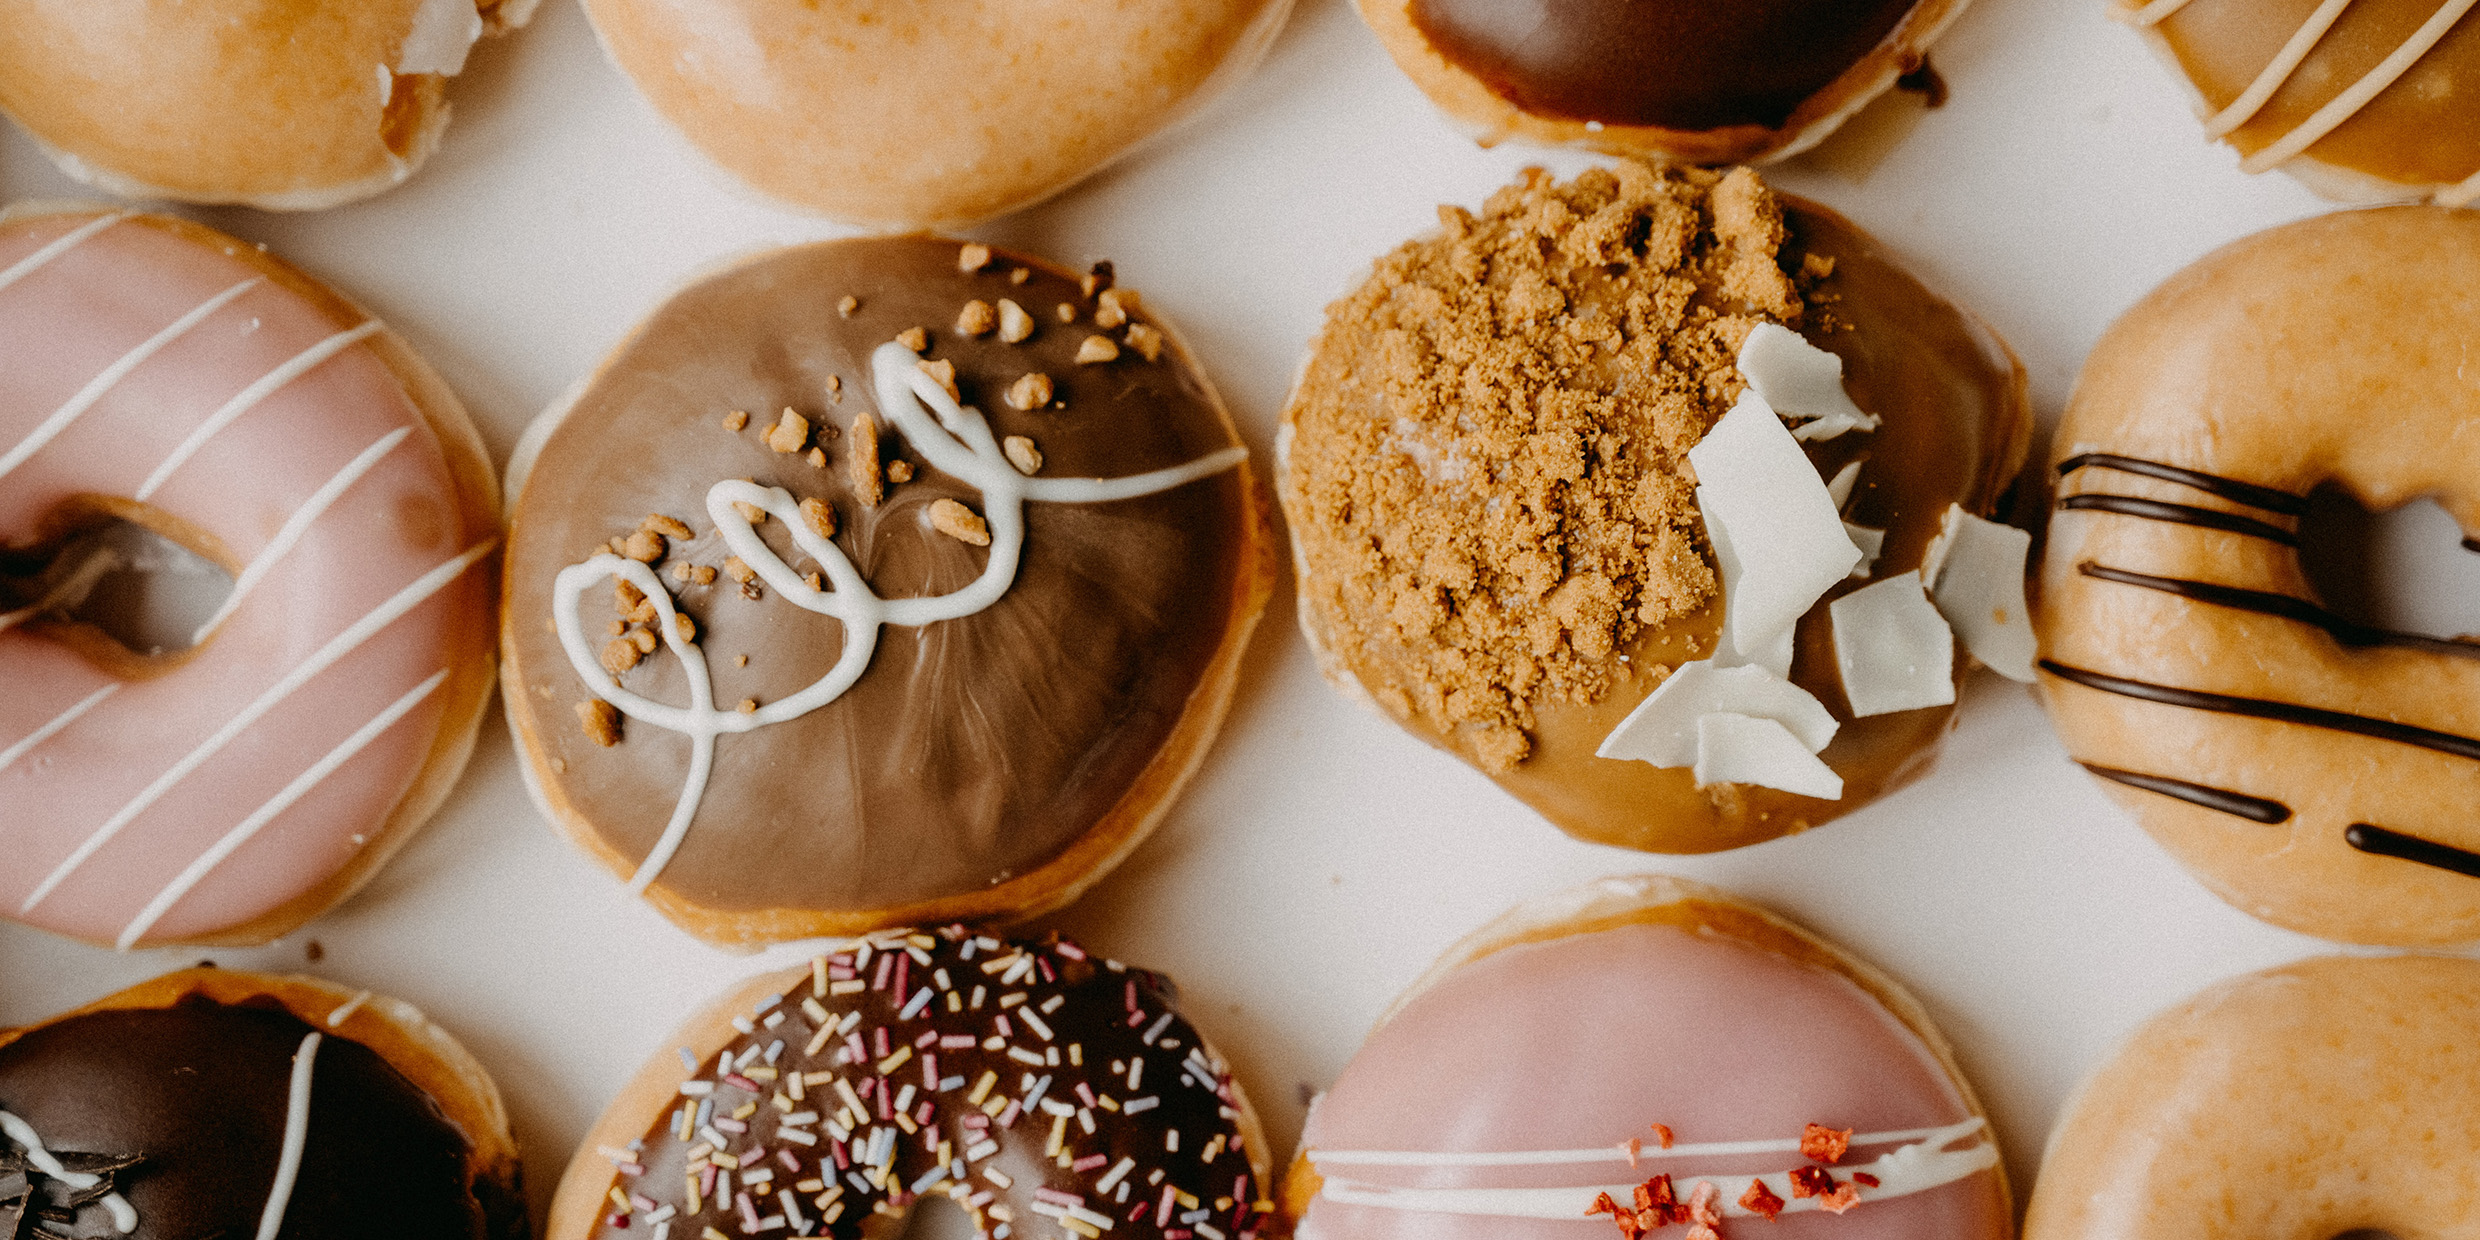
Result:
{"points": [[211, 1103], [972, 661]]}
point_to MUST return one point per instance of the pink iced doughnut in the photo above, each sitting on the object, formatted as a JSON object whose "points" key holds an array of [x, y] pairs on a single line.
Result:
{"points": [[165, 374], [1647, 1052]]}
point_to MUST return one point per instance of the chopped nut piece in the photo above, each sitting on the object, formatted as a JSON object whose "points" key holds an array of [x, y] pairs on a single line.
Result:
{"points": [[644, 546], [790, 433], [1066, 312], [750, 591], [1019, 275], [749, 512], [817, 458], [739, 571], [1097, 279], [646, 642], [1115, 305], [913, 338], [1014, 323], [601, 720], [748, 706], [705, 575], [959, 522], [899, 471], [682, 571], [1030, 392], [617, 628], [813, 581], [667, 526], [1816, 266], [862, 465], [736, 420], [849, 304], [972, 256], [1023, 455], [976, 319], [943, 373], [835, 387], [683, 625], [821, 518], [619, 655], [618, 545], [740, 660], [1096, 350], [625, 596], [1146, 341]]}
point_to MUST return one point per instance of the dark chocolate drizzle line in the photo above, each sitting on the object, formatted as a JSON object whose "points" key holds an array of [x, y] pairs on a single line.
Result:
{"points": [[2183, 514], [2471, 544], [2267, 603], [2380, 842], [2247, 493], [2254, 809], [2259, 708]]}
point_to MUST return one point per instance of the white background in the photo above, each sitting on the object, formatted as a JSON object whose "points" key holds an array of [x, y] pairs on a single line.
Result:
{"points": [[1322, 857]]}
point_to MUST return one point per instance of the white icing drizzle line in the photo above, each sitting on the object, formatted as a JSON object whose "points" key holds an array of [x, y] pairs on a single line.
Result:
{"points": [[958, 442], [335, 650], [344, 1011], [59, 721], [58, 246], [296, 1132], [1923, 1163], [248, 398], [61, 418], [2347, 104], [2460, 194], [299, 524], [2148, 14], [2284, 63], [275, 806], [124, 1216]]}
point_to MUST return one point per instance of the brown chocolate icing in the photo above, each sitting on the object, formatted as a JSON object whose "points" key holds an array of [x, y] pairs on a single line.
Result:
{"points": [[971, 750], [1049, 1078], [196, 1095], [1677, 64]]}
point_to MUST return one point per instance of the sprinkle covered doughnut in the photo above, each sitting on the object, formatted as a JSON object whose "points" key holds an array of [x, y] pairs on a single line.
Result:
{"points": [[172, 377], [214, 1103], [878, 578], [2333, 1097], [1049, 1092], [2311, 771], [1648, 1051]]}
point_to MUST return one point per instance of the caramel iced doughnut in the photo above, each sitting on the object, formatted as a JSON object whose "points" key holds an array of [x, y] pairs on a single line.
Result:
{"points": [[1649, 1051], [287, 107], [2333, 1097], [2360, 100], [874, 580], [932, 115], [1670, 79], [169, 376], [1497, 532], [2311, 771], [1045, 1090], [213, 1103]]}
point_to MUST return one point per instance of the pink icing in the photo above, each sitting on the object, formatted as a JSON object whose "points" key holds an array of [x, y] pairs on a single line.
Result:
{"points": [[61, 326], [1587, 1040]]}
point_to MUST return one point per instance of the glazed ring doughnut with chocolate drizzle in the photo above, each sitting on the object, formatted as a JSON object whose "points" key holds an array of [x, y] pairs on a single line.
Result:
{"points": [[216, 1103], [2313, 771], [877, 578], [164, 376], [1047, 1091]]}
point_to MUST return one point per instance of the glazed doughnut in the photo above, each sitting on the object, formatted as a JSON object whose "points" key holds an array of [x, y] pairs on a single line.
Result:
{"points": [[1671, 79], [968, 541], [213, 1103], [2360, 100], [1657, 1032], [1048, 1092], [1498, 536], [2329, 1098], [286, 107], [2311, 771], [175, 378], [935, 115]]}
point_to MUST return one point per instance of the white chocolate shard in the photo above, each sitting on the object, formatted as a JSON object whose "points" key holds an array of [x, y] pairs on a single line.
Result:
{"points": [[1976, 572], [1845, 479], [1799, 380], [443, 32], [1871, 543], [1739, 749], [1662, 730], [1894, 650], [1775, 531]]}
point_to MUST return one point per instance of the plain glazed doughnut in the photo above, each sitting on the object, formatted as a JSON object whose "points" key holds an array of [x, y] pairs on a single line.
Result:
{"points": [[166, 375], [215, 1103], [287, 107], [892, 577], [927, 116], [1047, 1091], [2313, 772], [2336, 1097], [1654, 1049], [1668, 79]]}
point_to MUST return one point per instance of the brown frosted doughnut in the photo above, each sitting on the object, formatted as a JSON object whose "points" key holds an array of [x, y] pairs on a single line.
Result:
{"points": [[288, 107], [2311, 771], [2361, 100], [1673, 79], [867, 670]]}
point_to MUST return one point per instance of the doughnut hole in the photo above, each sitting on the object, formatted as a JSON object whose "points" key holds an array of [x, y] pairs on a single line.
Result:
{"points": [[2406, 570], [143, 591]]}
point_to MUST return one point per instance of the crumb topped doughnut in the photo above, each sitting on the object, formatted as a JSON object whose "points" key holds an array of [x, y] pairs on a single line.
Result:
{"points": [[214, 1103], [1500, 537], [1648, 1051], [1046, 1091], [879, 576]]}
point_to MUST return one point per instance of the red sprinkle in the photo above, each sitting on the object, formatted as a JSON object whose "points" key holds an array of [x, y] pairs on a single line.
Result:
{"points": [[1089, 1162], [1760, 1200], [1864, 1177], [737, 1081]]}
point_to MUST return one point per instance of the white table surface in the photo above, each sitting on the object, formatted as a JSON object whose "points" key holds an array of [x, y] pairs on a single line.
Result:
{"points": [[1322, 857]]}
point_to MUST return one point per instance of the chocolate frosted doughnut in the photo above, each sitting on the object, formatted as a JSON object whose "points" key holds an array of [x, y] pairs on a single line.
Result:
{"points": [[1046, 1091], [971, 665], [208, 1103]]}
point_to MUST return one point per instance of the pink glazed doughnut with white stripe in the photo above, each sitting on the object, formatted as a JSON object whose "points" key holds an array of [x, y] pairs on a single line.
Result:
{"points": [[1643, 1052], [169, 376]]}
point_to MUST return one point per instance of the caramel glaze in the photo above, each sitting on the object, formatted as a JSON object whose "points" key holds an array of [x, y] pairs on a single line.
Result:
{"points": [[1677, 64], [197, 1094], [971, 750], [1957, 427]]}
